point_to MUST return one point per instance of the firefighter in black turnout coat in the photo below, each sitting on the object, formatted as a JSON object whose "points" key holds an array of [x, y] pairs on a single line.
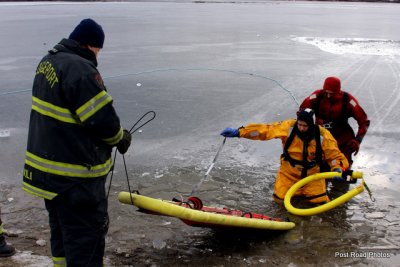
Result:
{"points": [[73, 128]]}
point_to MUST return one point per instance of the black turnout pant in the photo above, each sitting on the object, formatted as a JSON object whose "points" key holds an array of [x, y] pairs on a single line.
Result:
{"points": [[79, 222]]}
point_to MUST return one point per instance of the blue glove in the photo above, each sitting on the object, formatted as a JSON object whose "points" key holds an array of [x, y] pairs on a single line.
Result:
{"points": [[230, 132]]}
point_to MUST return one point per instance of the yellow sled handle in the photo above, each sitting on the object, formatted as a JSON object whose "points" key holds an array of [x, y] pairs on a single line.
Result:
{"points": [[328, 206]]}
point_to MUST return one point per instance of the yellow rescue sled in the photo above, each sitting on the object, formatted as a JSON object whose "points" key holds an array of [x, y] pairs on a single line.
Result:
{"points": [[195, 214]]}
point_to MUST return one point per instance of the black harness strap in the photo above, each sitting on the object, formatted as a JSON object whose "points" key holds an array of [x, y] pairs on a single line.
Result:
{"points": [[342, 120], [318, 152], [289, 142], [304, 163]]}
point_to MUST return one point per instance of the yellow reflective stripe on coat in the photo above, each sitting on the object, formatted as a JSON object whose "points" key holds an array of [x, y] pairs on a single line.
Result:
{"points": [[115, 139], [59, 261], [67, 169], [2, 229], [53, 111], [38, 192], [93, 105]]}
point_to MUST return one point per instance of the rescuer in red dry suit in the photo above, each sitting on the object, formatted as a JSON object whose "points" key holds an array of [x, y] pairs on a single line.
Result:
{"points": [[305, 147], [333, 107]]}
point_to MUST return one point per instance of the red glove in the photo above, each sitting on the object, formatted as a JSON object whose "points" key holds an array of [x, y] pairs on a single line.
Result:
{"points": [[354, 146]]}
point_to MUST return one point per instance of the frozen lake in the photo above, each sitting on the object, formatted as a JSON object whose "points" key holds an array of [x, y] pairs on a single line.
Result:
{"points": [[203, 67]]}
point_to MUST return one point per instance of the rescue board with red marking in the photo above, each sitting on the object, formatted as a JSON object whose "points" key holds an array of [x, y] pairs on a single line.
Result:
{"points": [[194, 214]]}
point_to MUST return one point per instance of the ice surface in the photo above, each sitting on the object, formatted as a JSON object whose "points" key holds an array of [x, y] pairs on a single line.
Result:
{"points": [[363, 46]]}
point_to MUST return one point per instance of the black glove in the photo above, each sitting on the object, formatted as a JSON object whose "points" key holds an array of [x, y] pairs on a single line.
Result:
{"points": [[125, 142], [347, 176]]}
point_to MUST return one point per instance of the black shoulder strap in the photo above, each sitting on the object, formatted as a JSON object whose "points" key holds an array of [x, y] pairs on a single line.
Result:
{"points": [[289, 140], [318, 152], [344, 104], [343, 113], [316, 104], [306, 165], [343, 118]]}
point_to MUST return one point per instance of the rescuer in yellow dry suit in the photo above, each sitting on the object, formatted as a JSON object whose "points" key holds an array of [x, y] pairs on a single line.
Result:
{"points": [[306, 146]]}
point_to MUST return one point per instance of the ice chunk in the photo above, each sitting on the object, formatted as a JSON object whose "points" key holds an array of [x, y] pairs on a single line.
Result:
{"points": [[159, 243], [374, 215], [41, 242], [4, 133], [157, 176]]}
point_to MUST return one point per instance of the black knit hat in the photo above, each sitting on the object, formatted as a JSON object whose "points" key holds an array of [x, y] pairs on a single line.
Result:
{"points": [[88, 32], [306, 115]]}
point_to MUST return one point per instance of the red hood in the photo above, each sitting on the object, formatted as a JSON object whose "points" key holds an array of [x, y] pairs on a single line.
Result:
{"points": [[332, 84]]}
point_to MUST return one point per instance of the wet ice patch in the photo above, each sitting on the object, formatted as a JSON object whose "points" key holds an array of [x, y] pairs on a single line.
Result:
{"points": [[28, 259], [361, 46]]}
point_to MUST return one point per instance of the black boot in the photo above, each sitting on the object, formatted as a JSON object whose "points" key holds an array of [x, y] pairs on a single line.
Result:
{"points": [[5, 249]]}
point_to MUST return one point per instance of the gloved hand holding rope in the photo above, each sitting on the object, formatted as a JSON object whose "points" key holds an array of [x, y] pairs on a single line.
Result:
{"points": [[124, 145], [125, 142]]}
